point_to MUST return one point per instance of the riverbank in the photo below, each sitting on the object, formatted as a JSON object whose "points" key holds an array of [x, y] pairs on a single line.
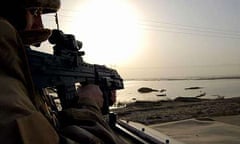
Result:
{"points": [[179, 109]]}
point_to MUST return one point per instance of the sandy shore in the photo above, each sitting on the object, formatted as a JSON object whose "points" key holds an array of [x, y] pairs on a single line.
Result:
{"points": [[174, 110]]}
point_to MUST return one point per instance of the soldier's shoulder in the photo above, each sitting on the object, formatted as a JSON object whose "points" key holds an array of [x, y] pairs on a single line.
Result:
{"points": [[6, 28]]}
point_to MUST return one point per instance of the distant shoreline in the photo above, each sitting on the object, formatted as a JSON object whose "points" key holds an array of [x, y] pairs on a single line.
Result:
{"points": [[184, 78]]}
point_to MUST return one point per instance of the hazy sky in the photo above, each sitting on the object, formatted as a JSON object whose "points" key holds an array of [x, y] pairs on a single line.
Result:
{"points": [[156, 38]]}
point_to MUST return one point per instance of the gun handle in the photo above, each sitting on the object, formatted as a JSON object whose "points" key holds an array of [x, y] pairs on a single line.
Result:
{"points": [[67, 95], [106, 96]]}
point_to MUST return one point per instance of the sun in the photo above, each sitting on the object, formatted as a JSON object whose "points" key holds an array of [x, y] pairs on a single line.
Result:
{"points": [[108, 30]]}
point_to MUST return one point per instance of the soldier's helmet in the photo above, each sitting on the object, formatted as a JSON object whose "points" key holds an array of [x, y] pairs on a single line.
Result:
{"points": [[15, 12], [47, 6]]}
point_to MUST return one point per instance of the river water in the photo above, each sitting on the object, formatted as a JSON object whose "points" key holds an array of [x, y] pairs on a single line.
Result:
{"points": [[214, 88]]}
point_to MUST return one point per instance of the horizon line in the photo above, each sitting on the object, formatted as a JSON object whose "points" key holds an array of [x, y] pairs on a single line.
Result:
{"points": [[186, 78]]}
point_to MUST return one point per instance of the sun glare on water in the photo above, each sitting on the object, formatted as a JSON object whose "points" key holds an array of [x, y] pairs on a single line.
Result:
{"points": [[108, 31]]}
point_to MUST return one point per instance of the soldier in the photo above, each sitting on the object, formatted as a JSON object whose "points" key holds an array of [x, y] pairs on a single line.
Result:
{"points": [[24, 115]]}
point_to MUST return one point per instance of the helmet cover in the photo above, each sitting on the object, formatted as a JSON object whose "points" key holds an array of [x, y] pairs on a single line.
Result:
{"points": [[48, 6]]}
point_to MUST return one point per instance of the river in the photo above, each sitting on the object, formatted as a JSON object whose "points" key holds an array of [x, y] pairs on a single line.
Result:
{"points": [[208, 88]]}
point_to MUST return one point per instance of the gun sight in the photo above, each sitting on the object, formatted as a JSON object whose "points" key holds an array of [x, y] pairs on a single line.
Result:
{"points": [[64, 41]]}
